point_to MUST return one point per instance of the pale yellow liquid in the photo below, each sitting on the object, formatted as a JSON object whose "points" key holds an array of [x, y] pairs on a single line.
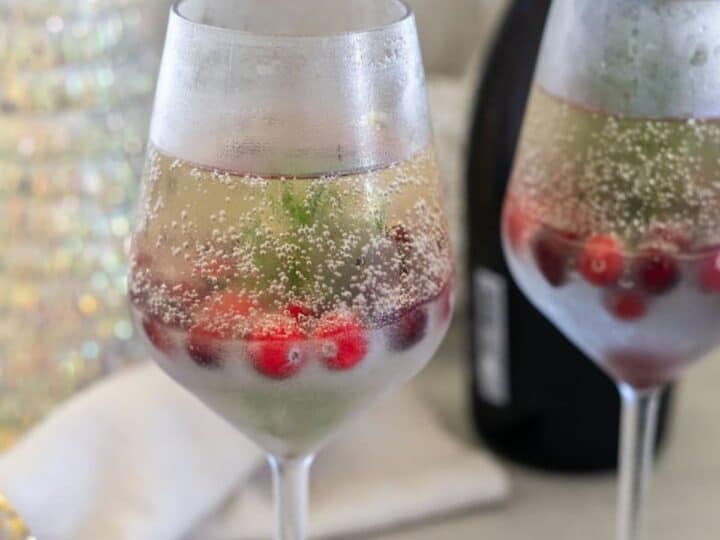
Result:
{"points": [[327, 242], [374, 245], [585, 171]]}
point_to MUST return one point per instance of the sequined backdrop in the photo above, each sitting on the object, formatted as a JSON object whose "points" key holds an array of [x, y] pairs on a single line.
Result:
{"points": [[75, 94]]}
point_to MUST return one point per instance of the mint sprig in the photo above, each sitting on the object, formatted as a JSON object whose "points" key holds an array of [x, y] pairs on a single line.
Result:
{"points": [[305, 210], [311, 218]]}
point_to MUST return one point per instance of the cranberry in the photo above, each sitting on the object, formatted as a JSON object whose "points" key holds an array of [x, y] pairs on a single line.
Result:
{"points": [[409, 329], [517, 223], [657, 271], [342, 340], [552, 252], [218, 321], [601, 261], [626, 305], [158, 335], [400, 235], [205, 349], [276, 348], [299, 311]]}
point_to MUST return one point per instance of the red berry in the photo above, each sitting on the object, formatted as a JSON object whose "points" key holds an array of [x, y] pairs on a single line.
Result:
{"points": [[657, 271], [298, 310], [279, 360], [409, 329], [400, 235], [220, 316], [518, 224], [276, 347], [552, 252], [342, 341], [205, 350], [601, 260], [709, 273], [626, 305], [157, 335]]}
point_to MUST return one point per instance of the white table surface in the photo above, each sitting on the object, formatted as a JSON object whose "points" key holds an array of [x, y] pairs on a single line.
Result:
{"points": [[685, 502]]}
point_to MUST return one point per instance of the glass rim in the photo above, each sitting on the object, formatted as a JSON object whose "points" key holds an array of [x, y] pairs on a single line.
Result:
{"points": [[407, 14]]}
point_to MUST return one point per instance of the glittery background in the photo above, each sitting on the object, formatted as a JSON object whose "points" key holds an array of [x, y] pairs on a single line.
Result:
{"points": [[75, 96]]}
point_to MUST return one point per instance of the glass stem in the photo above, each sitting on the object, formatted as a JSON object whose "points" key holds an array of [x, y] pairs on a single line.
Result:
{"points": [[637, 443], [291, 483]]}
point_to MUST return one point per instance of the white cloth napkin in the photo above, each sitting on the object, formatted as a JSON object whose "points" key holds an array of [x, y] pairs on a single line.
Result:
{"points": [[137, 458]]}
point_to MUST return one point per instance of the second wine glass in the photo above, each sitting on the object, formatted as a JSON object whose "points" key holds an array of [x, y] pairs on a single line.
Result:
{"points": [[612, 220]]}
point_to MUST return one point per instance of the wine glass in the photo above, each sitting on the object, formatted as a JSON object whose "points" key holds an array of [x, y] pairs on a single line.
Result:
{"points": [[291, 260], [611, 224]]}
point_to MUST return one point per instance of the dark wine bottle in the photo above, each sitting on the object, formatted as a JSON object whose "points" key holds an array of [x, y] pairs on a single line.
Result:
{"points": [[536, 398]]}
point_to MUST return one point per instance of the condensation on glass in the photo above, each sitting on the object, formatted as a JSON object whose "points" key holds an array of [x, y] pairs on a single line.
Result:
{"points": [[236, 91], [674, 74]]}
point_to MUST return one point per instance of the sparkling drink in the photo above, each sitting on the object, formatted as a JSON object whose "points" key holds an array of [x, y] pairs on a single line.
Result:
{"points": [[612, 223], [611, 229], [286, 304], [522, 409], [291, 259]]}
